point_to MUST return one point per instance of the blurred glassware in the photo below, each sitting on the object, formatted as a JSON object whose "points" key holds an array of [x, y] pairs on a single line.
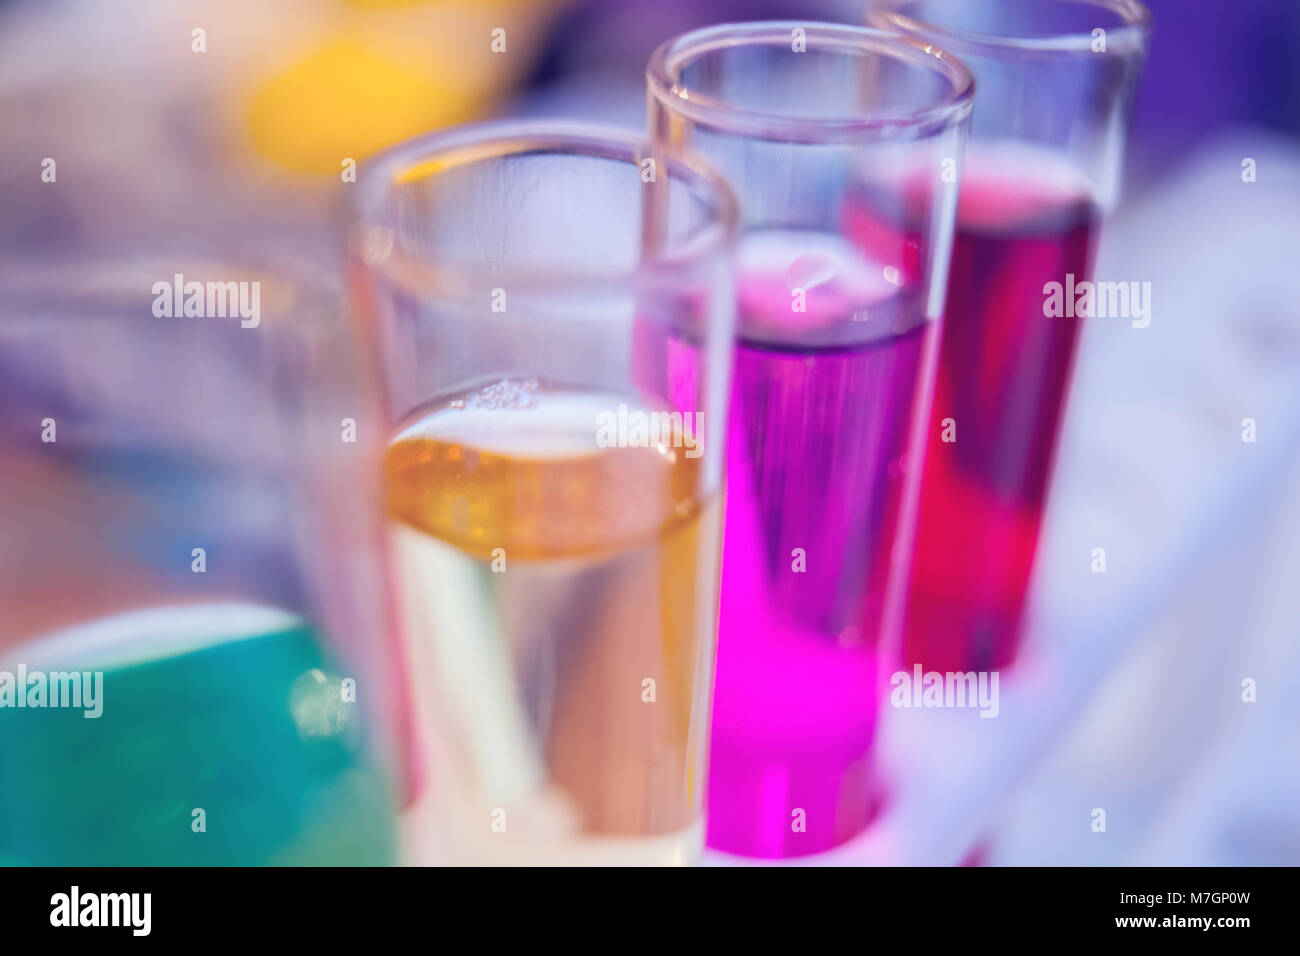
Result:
{"points": [[194, 609]]}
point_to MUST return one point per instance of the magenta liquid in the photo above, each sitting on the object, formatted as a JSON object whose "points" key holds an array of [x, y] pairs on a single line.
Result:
{"points": [[1004, 368], [822, 415]]}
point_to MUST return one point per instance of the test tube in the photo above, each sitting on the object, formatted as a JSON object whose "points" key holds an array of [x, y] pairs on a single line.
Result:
{"points": [[844, 146], [195, 663], [1055, 83], [552, 307]]}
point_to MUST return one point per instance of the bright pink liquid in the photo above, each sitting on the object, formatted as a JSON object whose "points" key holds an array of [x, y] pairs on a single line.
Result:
{"points": [[1003, 372], [817, 446]]}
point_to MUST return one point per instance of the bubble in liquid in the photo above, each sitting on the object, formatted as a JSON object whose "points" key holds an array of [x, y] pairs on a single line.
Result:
{"points": [[506, 394], [317, 704]]}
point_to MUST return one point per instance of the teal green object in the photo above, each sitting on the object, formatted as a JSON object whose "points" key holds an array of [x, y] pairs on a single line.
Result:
{"points": [[249, 726]]}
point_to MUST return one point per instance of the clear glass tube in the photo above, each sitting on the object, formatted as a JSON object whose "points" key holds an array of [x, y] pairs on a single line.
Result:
{"points": [[553, 308], [194, 610], [1055, 82], [844, 146]]}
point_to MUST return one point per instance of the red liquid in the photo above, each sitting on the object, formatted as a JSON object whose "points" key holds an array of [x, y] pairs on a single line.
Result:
{"points": [[1003, 372]]}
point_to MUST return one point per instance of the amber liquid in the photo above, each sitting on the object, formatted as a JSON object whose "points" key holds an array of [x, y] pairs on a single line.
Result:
{"points": [[560, 601]]}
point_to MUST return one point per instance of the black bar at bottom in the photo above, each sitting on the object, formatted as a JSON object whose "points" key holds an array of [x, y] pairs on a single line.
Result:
{"points": [[443, 908]]}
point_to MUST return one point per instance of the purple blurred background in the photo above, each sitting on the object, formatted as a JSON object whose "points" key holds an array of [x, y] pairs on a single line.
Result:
{"points": [[1137, 707]]}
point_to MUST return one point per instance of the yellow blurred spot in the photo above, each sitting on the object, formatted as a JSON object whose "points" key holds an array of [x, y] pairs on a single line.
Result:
{"points": [[349, 100], [388, 4], [400, 4]]}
